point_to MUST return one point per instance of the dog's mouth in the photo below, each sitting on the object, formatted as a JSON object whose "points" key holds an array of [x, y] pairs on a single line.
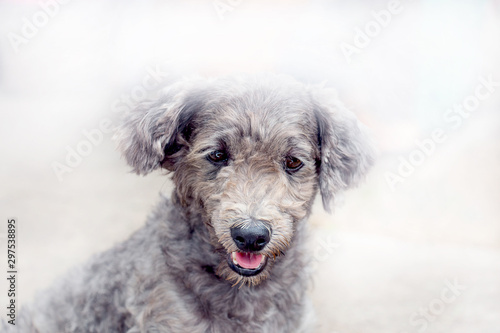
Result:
{"points": [[246, 263]]}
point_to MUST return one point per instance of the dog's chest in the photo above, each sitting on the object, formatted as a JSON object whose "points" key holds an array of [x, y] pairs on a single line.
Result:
{"points": [[230, 310], [254, 317]]}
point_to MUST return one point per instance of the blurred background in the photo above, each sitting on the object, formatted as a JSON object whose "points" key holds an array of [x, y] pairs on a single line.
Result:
{"points": [[416, 248]]}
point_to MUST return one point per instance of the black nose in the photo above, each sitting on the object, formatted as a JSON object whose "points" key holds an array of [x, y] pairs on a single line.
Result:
{"points": [[251, 237]]}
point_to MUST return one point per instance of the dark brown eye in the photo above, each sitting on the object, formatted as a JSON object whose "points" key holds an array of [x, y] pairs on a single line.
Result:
{"points": [[217, 156], [292, 163]]}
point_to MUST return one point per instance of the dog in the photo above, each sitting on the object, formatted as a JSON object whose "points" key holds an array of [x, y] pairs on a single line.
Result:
{"points": [[227, 252]]}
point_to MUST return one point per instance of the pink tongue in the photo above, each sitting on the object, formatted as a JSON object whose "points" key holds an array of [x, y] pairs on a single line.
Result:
{"points": [[248, 260]]}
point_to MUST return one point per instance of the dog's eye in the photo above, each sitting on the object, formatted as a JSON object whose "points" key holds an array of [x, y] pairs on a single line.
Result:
{"points": [[292, 163], [217, 156]]}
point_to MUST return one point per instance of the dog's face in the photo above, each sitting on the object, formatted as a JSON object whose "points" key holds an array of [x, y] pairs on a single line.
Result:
{"points": [[249, 154], [250, 164]]}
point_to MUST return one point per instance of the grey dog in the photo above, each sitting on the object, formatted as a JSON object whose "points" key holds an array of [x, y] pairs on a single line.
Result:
{"points": [[227, 252]]}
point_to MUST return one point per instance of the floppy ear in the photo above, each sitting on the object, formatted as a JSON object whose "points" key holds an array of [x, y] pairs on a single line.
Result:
{"points": [[346, 150], [156, 133]]}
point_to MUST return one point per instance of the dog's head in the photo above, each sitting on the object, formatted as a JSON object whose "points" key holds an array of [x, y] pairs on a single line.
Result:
{"points": [[250, 154]]}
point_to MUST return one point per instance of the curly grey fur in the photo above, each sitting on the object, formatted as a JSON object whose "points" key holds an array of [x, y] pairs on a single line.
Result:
{"points": [[173, 275]]}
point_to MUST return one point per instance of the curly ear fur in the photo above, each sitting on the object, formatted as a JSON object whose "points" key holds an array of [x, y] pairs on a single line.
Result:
{"points": [[155, 133], [346, 150]]}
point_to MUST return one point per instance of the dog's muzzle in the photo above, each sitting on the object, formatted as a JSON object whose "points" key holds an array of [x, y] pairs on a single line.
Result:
{"points": [[250, 239]]}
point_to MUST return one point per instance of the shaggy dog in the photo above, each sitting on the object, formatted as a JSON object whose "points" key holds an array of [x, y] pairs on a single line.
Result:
{"points": [[227, 251]]}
